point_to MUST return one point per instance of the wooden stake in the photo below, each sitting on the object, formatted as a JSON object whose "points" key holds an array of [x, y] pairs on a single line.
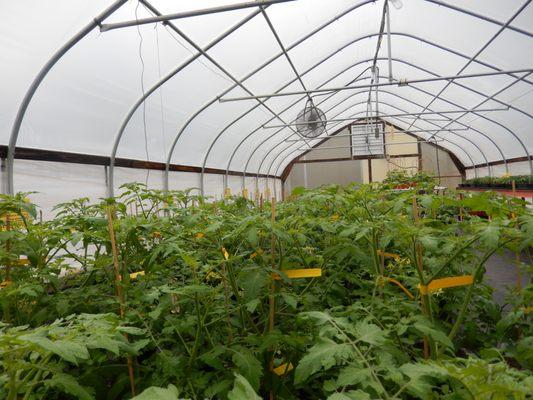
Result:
{"points": [[226, 303], [517, 254], [8, 249], [271, 298], [461, 211], [118, 288], [423, 298], [415, 209]]}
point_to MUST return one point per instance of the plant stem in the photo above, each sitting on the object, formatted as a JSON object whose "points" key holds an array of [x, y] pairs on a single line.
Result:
{"points": [[469, 293], [361, 356]]}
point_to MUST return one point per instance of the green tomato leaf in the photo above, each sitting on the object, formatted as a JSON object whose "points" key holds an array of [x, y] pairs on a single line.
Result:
{"points": [[252, 305], [420, 376], [248, 366], [67, 350], [69, 385], [290, 300], [323, 355], [370, 333], [158, 393], [242, 390]]}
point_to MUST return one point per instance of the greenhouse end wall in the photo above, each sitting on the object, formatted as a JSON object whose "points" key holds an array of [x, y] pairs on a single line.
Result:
{"points": [[332, 162]]}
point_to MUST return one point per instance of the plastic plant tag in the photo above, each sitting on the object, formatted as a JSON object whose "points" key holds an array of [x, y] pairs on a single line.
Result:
{"points": [[299, 273], [225, 253], [388, 255], [134, 275], [444, 283], [283, 369]]}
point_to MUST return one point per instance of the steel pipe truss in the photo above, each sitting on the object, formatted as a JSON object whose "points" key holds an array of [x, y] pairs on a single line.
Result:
{"points": [[456, 83], [188, 14], [400, 83], [360, 135], [483, 48], [463, 112], [98, 22]]}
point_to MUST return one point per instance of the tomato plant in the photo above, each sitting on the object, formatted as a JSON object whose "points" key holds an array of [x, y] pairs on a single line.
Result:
{"points": [[166, 295]]}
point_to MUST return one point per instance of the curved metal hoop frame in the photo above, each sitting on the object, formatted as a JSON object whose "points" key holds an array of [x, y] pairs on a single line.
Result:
{"points": [[365, 61], [343, 48], [239, 83]]}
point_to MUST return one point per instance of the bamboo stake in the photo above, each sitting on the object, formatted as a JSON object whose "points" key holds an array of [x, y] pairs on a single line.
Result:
{"points": [[517, 254], [226, 303], [461, 211], [271, 298], [415, 209], [7, 312], [381, 255], [423, 298], [8, 248], [118, 289]]}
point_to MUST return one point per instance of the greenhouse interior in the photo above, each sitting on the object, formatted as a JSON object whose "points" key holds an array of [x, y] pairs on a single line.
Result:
{"points": [[269, 199]]}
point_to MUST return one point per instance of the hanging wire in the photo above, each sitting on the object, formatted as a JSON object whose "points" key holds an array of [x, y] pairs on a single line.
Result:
{"points": [[375, 73], [143, 93], [438, 162], [199, 59], [160, 90]]}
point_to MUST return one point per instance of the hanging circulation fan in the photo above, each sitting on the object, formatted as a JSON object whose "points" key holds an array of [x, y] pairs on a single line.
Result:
{"points": [[311, 121]]}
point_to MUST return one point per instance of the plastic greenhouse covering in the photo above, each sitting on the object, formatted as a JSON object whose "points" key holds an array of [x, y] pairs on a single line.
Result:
{"points": [[153, 91]]}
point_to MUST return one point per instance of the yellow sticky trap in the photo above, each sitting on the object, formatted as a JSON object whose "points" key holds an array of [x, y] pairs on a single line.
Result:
{"points": [[267, 194], [299, 273], [227, 193], [225, 253], [405, 290], [388, 255], [245, 193], [134, 275], [527, 310], [283, 369], [444, 283]]}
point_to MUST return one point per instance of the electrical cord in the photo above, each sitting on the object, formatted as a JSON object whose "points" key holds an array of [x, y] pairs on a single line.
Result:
{"points": [[160, 90], [143, 93]]}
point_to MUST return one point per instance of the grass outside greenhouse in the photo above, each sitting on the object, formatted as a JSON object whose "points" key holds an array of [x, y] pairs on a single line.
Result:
{"points": [[164, 295]]}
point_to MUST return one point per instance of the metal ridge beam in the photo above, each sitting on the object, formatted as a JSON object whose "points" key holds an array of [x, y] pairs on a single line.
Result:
{"points": [[399, 83], [393, 115], [188, 14], [357, 134]]}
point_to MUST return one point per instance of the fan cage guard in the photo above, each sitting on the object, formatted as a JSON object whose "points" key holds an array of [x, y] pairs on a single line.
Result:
{"points": [[311, 121]]}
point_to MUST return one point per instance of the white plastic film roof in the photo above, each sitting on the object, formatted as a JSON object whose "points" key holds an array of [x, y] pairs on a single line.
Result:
{"points": [[94, 92]]}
